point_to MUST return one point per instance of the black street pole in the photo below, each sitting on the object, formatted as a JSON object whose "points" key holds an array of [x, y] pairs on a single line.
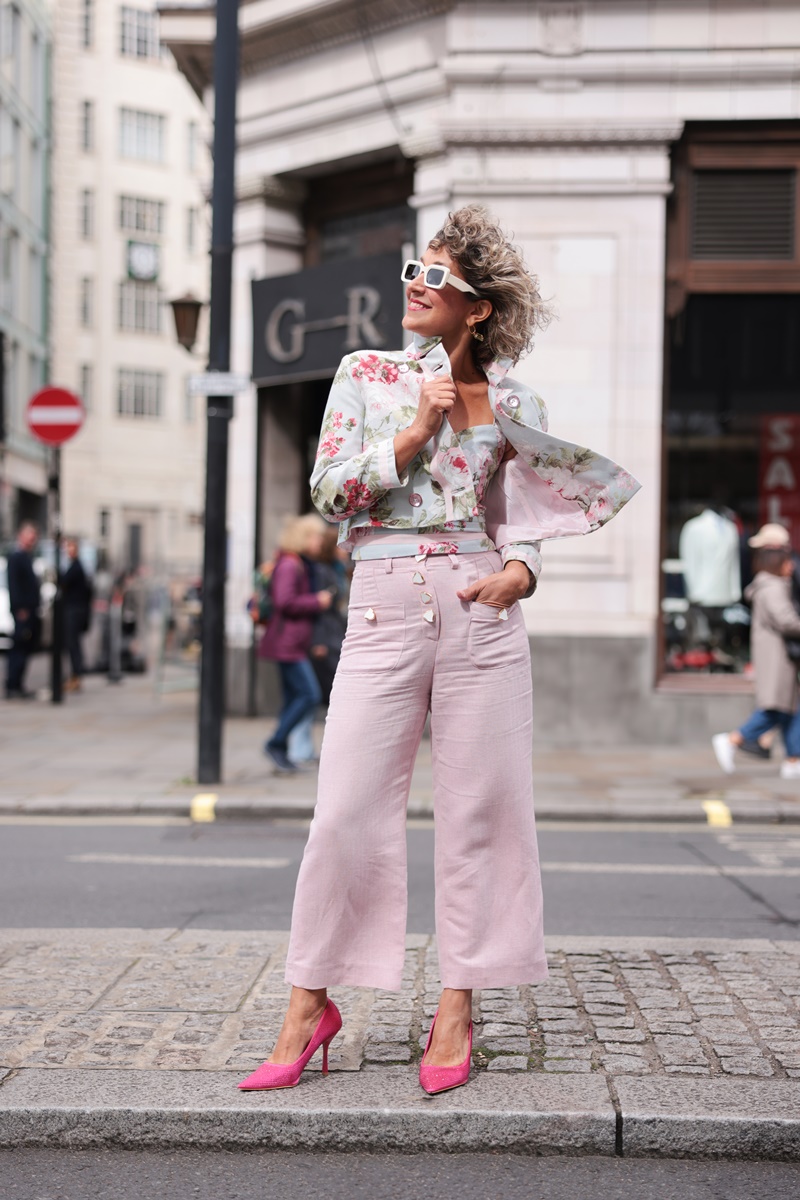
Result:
{"points": [[220, 408], [57, 643]]}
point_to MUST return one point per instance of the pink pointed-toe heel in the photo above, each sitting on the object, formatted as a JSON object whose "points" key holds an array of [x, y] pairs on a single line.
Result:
{"points": [[442, 1079], [285, 1075]]}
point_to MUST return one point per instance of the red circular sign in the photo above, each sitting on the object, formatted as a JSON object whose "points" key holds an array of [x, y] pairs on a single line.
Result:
{"points": [[54, 415]]}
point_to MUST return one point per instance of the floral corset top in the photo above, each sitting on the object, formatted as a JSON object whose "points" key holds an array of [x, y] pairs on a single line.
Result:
{"points": [[456, 483]]}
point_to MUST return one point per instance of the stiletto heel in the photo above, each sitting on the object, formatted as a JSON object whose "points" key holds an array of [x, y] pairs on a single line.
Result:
{"points": [[325, 1056], [442, 1079], [284, 1075]]}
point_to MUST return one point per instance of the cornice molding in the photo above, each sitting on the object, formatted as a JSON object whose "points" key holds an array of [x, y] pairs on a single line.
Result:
{"points": [[270, 39], [623, 68], [563, 134]]}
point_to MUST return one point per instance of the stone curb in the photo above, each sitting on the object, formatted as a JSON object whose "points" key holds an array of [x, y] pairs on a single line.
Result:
{"points": [[230, 808], [385, 1110]]}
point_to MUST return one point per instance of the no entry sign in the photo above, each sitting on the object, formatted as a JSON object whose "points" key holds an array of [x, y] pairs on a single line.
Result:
{"points": [[54, 415]]}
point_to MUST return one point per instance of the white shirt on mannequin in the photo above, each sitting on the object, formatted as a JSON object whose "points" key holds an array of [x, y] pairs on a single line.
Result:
{"points": [[709, 551]]}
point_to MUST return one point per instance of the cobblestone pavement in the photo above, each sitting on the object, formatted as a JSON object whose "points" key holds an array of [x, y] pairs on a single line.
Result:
{"points": [[136, 999]]}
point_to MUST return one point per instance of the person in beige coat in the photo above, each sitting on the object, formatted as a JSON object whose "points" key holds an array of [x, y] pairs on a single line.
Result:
{"points": [[774, 619]]}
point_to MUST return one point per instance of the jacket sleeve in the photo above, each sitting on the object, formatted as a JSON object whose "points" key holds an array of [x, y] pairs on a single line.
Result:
{"points": [[781, 613], [289, 596], [506, 520], [348, 475]]}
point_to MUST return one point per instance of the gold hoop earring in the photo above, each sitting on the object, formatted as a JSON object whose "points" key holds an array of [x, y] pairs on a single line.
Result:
{"points": [[474, 333]]}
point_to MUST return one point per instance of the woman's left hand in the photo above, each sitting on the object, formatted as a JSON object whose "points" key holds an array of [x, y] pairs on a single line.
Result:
{"points": [[502, 589]]}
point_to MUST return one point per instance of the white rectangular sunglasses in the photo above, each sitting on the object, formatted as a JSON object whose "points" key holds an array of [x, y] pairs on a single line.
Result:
{"points": [[434, 276]]}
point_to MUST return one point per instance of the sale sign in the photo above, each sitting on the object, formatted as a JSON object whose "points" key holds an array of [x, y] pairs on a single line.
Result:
{"points": [[779, 473]]}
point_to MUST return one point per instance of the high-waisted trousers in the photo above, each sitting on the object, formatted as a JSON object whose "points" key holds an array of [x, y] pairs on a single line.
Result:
{"points": [[412, 647]]}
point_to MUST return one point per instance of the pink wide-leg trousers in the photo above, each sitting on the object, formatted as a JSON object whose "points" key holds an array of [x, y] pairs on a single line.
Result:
{"points": [[472, 672]]}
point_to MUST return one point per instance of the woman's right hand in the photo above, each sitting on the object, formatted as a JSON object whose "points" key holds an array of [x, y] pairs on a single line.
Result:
{"points": [[436, 398], [325, 600]]}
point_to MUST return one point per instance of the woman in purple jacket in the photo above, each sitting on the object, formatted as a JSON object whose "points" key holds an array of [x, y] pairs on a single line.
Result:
{"points": [[287, 638]]}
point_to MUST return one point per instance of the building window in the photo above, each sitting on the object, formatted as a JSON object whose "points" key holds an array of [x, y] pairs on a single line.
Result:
{"points": [[86, 214], [141, 135], [87, 125], [9, 270], [86, 302], [104, 524], [139, 393], [36, 289], [138, 36], [87, 24], [139, 306], [11, 39], [86, 385], [192, 229], [10, 138], [139, 215], [193, 145]]}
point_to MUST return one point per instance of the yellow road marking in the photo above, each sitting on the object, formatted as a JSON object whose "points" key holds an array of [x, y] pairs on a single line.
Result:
{"points": [[203, 805], [717, 813]]}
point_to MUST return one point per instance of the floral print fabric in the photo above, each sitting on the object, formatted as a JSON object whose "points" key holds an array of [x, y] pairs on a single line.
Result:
{"points": [[556, 490]]}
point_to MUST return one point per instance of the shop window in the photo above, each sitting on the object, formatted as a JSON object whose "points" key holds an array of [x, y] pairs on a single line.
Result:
{"points": [[733, 464]]}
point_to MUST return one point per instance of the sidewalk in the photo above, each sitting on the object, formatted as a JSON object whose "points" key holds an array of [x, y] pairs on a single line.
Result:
{"points": [[122, 749], [643, 1047]]}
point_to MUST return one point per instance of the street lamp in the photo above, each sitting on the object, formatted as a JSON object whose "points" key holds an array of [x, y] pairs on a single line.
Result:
{"points": [[186, 311]]}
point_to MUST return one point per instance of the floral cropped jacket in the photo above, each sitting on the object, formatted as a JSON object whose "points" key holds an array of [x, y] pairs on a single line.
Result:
{"points": [[459, 481]]}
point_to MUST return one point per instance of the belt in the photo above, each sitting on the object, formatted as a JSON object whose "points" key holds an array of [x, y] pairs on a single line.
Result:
{"points": [[420, 550]]}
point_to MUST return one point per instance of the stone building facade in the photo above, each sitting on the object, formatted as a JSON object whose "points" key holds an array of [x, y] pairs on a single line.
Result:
{"points": [[635, 148]]}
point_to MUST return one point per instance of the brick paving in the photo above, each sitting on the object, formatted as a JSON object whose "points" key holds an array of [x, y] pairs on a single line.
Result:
{"points": [[164, 999]]}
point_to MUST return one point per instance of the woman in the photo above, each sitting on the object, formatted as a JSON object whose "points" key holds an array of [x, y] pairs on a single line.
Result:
{"points": [[411, 442], [287, 637], [774, 619], [330, 626]]}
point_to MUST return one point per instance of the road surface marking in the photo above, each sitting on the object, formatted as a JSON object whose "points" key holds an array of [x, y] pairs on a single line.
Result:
{"points": [[203, 805], [558, 868], [606, 868], [176, 860], [717, 813]]}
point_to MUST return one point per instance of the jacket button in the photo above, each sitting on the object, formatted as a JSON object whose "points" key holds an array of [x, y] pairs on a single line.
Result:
{"points": [[415, 500], [403, 367], [512, 402]]}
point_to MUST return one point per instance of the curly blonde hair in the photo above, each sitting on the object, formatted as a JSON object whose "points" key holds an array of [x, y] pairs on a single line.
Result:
{"points": [[494, 267]]}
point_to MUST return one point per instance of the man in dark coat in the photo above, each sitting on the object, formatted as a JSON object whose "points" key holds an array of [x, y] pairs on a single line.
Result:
{"points": [[24, 599], [76, 593]]}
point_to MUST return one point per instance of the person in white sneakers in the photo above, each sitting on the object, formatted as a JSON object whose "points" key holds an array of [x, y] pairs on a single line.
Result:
{"points": [[774, 618]]}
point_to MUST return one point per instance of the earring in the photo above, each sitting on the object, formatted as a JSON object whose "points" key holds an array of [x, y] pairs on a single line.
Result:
{"points": [[473, 331]]}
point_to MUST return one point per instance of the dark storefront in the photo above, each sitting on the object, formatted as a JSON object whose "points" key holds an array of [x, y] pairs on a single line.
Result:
{"points": [[358, 226]]}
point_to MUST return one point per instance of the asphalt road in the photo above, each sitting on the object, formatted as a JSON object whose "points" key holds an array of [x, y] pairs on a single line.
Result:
{"points": [[241, 1175], [604, 879]]}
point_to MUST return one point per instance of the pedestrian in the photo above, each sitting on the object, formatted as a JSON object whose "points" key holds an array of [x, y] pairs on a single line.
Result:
{"points": [[287, 637], [774, 619], [331, 625], [326, 643], [24, 601], [411, 441], [76, 598]]}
